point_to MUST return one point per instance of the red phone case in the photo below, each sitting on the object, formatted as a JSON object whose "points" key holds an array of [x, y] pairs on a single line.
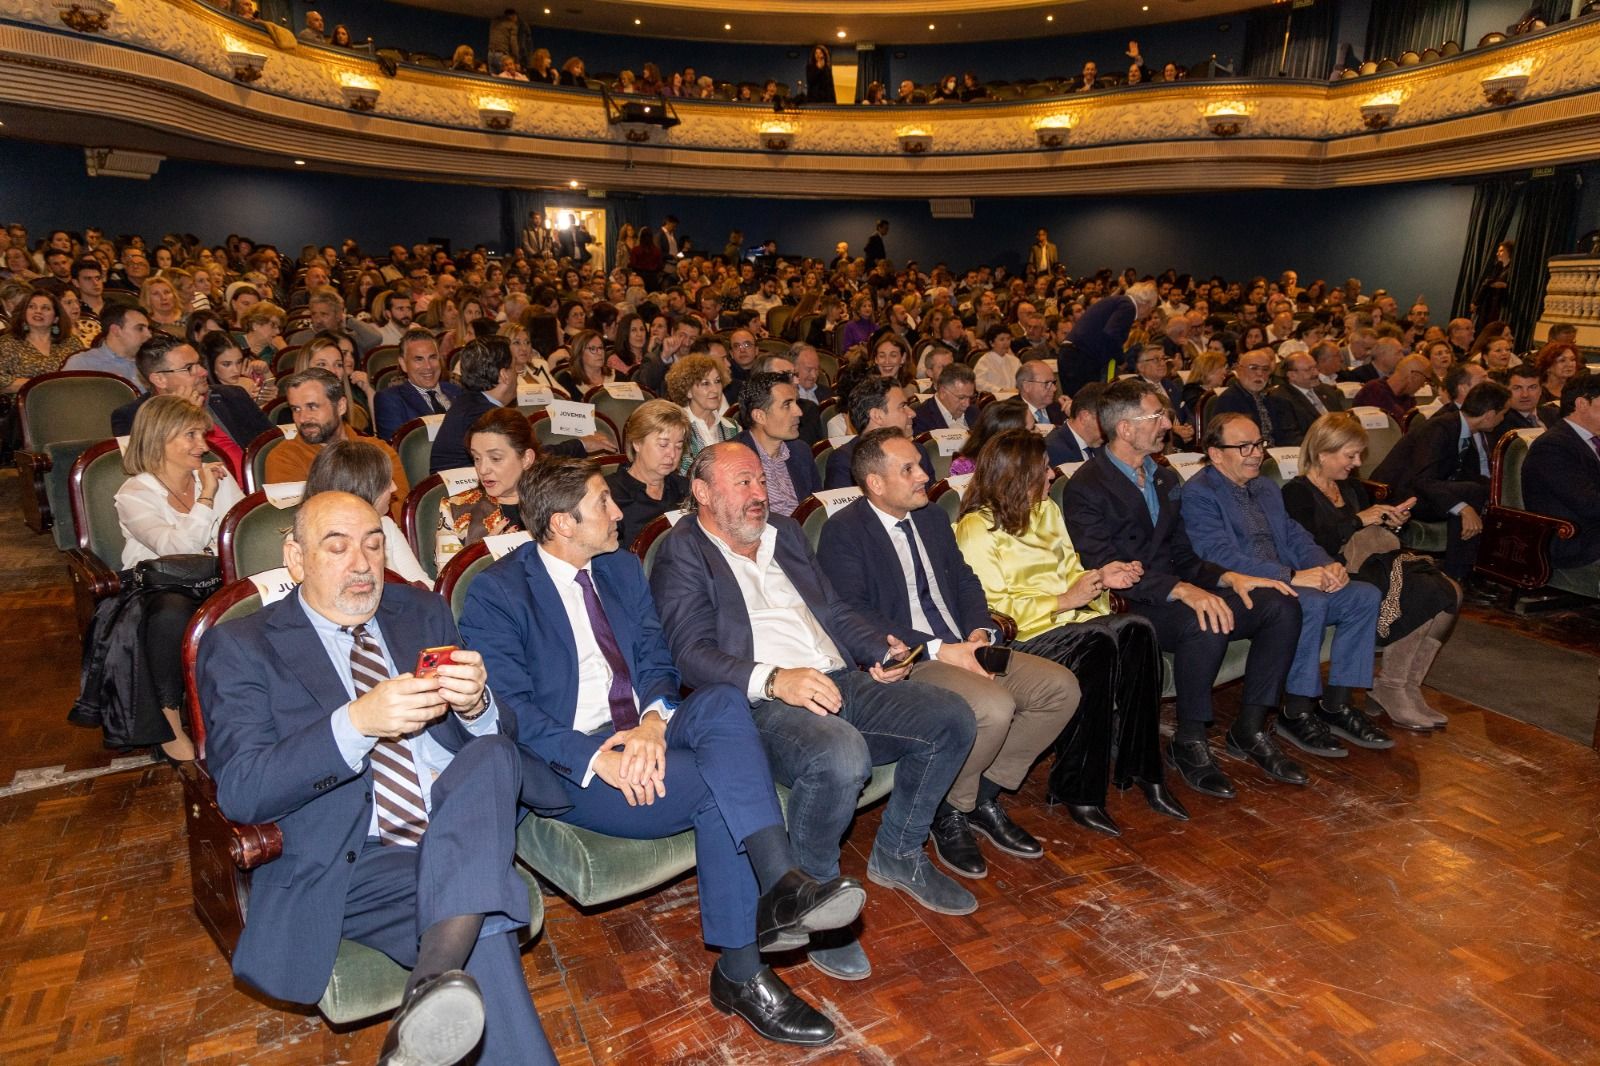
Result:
{"points": [[430, 659]]}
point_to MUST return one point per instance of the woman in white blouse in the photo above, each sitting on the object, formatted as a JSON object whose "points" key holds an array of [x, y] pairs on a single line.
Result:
{"points": [[170, 505]]}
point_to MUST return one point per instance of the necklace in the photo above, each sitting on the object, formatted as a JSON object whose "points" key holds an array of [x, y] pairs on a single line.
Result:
{"points": [[185, 497], [1328, 489]]}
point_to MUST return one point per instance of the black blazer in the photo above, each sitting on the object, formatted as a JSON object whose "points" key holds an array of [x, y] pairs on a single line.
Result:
{"points": [[638, 508], [1561, 478], [838, 474], [450, 443], [928, 418], [1300, 414], [1236, 400], [1426, 464], [1108, 522], [230, 405], [1062, 446], [859, 557], [1328, 525]]}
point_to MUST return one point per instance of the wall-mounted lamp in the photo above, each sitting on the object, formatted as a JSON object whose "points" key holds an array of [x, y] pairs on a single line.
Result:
{"points": [[247, 64], [86, 16], [359, 93], [1379, 112], [496, 114], [1227, 120], [1054, 132], [1504, 86], [778, 138], [915, 142]]}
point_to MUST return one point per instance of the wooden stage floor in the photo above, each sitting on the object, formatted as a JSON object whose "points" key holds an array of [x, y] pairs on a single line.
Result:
{"points": [[1437, 903]]}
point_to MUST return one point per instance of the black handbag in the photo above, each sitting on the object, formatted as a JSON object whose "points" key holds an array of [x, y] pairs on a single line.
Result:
{"points": [[198, 575]]}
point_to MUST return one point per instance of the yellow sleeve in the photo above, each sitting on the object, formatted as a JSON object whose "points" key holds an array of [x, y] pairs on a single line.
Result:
{"points": [[984, 550], [1072, 568]]}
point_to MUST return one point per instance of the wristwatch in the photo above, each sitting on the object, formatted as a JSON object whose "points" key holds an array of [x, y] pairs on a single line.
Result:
{"points": [[766, 688]]}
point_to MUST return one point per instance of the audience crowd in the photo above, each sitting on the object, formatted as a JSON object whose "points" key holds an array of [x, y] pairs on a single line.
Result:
{"points": [[1174, 406]]}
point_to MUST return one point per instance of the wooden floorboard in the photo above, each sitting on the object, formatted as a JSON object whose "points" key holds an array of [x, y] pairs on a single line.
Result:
{"points": [[1437, 903]]}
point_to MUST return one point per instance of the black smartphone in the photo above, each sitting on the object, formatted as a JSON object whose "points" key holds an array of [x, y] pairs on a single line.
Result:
{"points": [[890, 663], [993, 658]]}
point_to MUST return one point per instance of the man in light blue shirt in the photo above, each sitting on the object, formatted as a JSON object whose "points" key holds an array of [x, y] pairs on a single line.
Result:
{"points": [[126, 327]]}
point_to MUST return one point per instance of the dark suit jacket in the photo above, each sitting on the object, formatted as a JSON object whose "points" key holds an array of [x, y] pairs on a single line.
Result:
{"points": [[1062, 446], [268, 690], [874, 250], [1364, 373], [823, 390], [703, 612], [928, 418], [230, 405], [515, 618], [857, 554], [450, 444], [802, 467], [1561, 478], [399, 403], [1425, 464], [838, 474], [1095, 341], [1108, 522], [1236, 400], [1298, 410], [1515, 420]]}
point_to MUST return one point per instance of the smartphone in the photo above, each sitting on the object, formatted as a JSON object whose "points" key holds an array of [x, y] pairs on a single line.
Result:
{"points": [[993, 658], [430, 659], [909, 657]]}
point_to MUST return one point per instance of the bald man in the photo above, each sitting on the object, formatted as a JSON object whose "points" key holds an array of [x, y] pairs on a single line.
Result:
{"points": [[1396, 394]]}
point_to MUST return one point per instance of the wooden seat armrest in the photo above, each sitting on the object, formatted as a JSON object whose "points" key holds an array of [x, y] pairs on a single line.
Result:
{"points": [[1559, 528], [1005, 624], [1376, 489], [1118, 604], [37, 462], [1516, 546], [248, 845]]}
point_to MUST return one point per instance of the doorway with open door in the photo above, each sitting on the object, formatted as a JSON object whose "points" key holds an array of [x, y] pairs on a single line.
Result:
{"points": [[579, 233]]}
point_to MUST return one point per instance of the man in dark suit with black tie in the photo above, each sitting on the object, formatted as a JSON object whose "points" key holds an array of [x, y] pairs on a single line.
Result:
{"points": [[769, 409], [174, 368], [953, 392], [1561, 476], [876, 403], [1123, 506], [1303, 398], [1445, 465], [420, 390], [1248, 396], [895, 560], [396, 795], [1078, 438]]}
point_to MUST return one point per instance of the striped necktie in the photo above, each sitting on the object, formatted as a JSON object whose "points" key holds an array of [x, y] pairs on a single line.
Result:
{"points": [[402, 814]]}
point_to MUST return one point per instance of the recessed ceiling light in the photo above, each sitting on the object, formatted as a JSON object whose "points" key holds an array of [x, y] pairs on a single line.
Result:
{"points": [[727, 25], [840, 35], [299, 162], [1049, 18], [547, 11], [930, 25], [572, 184], [1145, 8], [639, 22]]}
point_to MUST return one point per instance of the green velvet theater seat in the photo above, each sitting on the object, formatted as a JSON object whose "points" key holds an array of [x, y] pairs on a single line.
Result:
{"points": [[1233, 663]]}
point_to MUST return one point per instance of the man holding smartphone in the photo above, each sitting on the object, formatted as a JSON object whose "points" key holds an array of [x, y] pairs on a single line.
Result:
{"points": [[896, 561]]}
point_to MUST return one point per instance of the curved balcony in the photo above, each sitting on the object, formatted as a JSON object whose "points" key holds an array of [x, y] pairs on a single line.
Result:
{"points": [[179, 77]]}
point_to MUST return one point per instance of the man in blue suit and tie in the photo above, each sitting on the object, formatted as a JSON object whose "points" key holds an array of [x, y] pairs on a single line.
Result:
{"points": [[396, 795], [1078, 438], [420, 391], [769, 407], [574, 648], [876, 403]]}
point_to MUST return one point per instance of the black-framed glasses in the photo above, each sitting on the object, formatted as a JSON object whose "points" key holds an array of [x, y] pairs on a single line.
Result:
{"points": [[1249, 447], [187, 368]]}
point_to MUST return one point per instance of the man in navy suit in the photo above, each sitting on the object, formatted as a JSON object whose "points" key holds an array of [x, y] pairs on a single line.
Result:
{"points": [[953, 392], [1123, 506], [572, 642], [1094, 347], [895, 560], [769, 408], [1561, 476], [807, 373], [1152, 365], [174, 368], [876, 403], [1036, 384], [396, 795], [744, 603], [1078, 438], [420, 392]]}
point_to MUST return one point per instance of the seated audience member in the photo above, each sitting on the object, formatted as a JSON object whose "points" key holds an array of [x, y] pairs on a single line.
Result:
{"points": [[38, 341], [501, 445], [335, 353], [316, 400], [1123, 507], [1557, 363], [171, 504], [1445, 465], [744, 602], [1152, 365], [261, 330], [1249, 396], [894, 559], [1037, 388], [876, 403], [125, 327], [395, 311], [1206, 374], [418, 391], [996, 369], [695, 383], [1236, 518], [173, 368], [993, 420], [1458, 381], [587, 369], [1382, 355], [808, 373], [1011, 535], [1394, 395], [360, 468], [1561, 476], [326, 311], [574, 648], [228, 365], [310, 707], [1525, 410], [1494, 354], [769, 410], [1304, 398], [650, 485], [487, 382], [1335, 509], [1079, 438], [954, 389]]}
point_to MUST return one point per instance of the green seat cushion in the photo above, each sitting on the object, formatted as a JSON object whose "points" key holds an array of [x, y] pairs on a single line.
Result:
{"points": [[1578, 580], [1234, 661], [56, 492], [1425, 536]]}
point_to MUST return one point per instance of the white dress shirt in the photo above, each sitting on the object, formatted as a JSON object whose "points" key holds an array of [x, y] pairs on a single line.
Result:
{"points": [[996, 372], [919, 618], [784, 633], [153, 527]]}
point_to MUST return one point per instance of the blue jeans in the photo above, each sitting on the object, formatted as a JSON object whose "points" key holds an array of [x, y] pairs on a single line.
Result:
{"points": [[1353, 612], [826, 759]]}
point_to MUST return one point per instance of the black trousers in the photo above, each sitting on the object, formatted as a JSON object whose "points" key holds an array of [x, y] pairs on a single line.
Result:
{"points": [[166, 616], [1117, 661], [1272, 626]]}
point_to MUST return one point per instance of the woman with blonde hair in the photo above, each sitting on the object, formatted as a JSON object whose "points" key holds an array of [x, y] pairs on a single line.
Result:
{"points": [[1206, 374], [327, 351], [695, 384], [159, 297], [650, 485]]}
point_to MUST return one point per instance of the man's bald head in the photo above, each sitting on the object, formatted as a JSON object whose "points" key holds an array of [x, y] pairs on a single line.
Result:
{"points": [[335, 552]]}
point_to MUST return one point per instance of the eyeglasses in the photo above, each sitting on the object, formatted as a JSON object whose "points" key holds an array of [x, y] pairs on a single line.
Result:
{"points": [[187, 368], [1256, 368], [1249, 447], [1148, 418]]}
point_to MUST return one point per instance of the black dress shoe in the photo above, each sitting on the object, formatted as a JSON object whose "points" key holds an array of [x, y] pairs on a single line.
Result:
{"points": [[1192, 759], [771, 1008], [1355, 727], [1162, 800], [798, 906], [1260, 749], [1310, 735], [1093, 818], [956, 847], [994, 823], [438, 1025]]}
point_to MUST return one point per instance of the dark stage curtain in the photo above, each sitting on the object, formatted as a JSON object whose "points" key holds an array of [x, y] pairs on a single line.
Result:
{"points": [[1539, 215], [514, 207], [1312, 37], [1414, 25], [1494, 204], [872, 64]]}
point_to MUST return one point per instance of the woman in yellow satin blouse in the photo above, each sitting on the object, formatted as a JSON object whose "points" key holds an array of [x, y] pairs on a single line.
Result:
{"points": [[1015, 539]]}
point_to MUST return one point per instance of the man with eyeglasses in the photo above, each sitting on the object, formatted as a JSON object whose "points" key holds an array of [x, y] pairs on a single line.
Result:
{"points": [[1236, 518], [1036, 384], [1248, 396], [1152, 365], [1122, 506], [742, 352], [173, 368]]}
